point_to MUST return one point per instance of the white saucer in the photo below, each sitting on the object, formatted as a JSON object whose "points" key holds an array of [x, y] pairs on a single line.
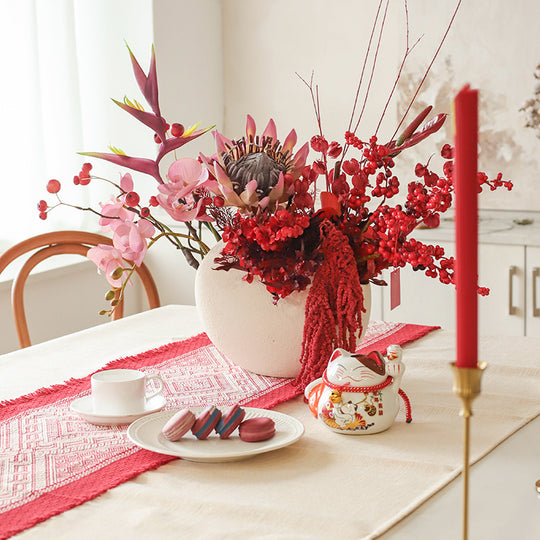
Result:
{"points": [[84, 408]]}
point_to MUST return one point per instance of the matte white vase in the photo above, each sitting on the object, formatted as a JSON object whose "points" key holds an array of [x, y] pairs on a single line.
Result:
{"points": [[243, 323]]}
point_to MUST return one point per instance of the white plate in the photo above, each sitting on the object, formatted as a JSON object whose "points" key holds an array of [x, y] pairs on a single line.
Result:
{"points": [[146, 433], [83, 407]]}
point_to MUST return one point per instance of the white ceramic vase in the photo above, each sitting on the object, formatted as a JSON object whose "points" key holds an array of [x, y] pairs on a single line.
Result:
{"points": [[243, 323]]}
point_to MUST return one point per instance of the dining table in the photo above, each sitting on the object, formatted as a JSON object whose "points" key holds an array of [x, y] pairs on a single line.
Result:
{"points": [[403, 483]]}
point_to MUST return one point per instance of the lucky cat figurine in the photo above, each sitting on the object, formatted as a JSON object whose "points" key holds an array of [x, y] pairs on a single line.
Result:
{"points": [[359, 394]]}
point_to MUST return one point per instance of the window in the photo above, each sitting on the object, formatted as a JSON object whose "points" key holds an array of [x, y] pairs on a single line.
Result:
{"points": [[62, 61]]}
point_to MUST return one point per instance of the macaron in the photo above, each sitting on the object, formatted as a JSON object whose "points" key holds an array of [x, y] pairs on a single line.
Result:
{"points": [[230, 421], [206, 422], [256, 429], [178, 425]]}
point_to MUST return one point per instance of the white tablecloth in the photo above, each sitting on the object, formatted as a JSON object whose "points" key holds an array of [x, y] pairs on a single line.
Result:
{"points": [[326, 485]]}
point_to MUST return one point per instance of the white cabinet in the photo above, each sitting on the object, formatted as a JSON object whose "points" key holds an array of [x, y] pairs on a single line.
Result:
{"points": [[511, 272], [532, 285], [502, 270]]}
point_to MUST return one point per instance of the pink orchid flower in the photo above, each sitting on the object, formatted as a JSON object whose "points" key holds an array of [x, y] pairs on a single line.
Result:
{"points": [[107, 259], [114, 214], [185, 175], [130, 239]]}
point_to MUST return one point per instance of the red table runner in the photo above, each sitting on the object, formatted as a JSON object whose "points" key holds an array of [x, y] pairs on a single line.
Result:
{"points": [[52, 460]]}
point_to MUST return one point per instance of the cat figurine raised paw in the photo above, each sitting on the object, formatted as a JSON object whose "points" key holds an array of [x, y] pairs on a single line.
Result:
{"points": [[359, 393]]}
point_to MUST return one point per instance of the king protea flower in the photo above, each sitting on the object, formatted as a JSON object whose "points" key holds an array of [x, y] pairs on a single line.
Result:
{"points": [[256, 171]]}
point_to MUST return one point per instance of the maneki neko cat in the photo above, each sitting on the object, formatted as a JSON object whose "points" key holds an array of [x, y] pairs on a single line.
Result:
{"points": [[359, 394]]}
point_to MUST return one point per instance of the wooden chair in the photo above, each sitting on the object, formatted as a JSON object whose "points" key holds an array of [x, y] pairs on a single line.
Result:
{"points": [[56, 243]]}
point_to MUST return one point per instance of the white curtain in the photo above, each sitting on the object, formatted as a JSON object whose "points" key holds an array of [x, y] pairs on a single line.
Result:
{"points": [[61, 62]]}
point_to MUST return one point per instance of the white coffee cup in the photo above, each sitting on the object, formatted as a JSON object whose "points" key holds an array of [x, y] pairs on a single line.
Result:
{"points": [[122, 391]]}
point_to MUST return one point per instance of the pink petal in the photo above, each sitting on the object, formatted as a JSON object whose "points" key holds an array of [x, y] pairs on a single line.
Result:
{"points": [[221, 142], [301, 156], [289, 142], [263, 203], [126, 183], [251, 187], [136, 241], [222, 177], [187, 170], [146, 228], [277, 191], [251, 128], [231, 197], [186, 190], [270, 130]]}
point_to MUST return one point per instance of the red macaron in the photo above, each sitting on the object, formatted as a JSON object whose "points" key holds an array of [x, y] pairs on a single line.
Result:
{"points": [[230, 421], [178, 425], [206, 422], [257, 429]]}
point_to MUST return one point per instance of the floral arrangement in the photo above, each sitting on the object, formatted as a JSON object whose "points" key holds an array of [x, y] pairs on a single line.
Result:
{"points": [[278, 224]]}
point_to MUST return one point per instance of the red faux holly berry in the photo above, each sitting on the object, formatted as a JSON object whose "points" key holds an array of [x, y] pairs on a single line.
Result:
{"points": [[319, 144], [153, 201], [145, 211], [132, 199], [177, 130], [43, 215], [53, 186], [334, 150], [157, 138], [447, 152], [87, 167], [219, 202], [42, 205], [76, 180]]}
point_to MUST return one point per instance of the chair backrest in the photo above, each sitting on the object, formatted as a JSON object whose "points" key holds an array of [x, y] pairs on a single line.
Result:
{"points": [[56, 243]]}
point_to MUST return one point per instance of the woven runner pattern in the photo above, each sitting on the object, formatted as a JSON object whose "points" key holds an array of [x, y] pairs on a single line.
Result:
{"points": [[52, 460]]}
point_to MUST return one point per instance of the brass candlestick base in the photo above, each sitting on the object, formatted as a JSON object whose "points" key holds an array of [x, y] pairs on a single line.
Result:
{"points": [[467, 386]]}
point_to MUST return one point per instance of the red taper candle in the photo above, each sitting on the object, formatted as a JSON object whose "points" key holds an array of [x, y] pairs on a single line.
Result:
{"points": [[466, 215]]}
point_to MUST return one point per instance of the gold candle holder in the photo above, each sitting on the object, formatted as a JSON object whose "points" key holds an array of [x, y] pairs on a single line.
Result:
{"points": [[467, 386]]}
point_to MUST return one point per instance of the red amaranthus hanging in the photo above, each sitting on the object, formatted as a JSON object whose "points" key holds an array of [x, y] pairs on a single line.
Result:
{"points": [[334, 306]]}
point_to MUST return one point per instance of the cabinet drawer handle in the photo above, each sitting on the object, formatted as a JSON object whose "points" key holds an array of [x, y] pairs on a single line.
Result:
{"points": [[512, 310], [535, 276]]}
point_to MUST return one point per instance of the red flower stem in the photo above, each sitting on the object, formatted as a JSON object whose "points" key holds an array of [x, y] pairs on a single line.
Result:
{"points": [[375, 58], [364, 67], [429, 68], [317, 108], [408, 51]]}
